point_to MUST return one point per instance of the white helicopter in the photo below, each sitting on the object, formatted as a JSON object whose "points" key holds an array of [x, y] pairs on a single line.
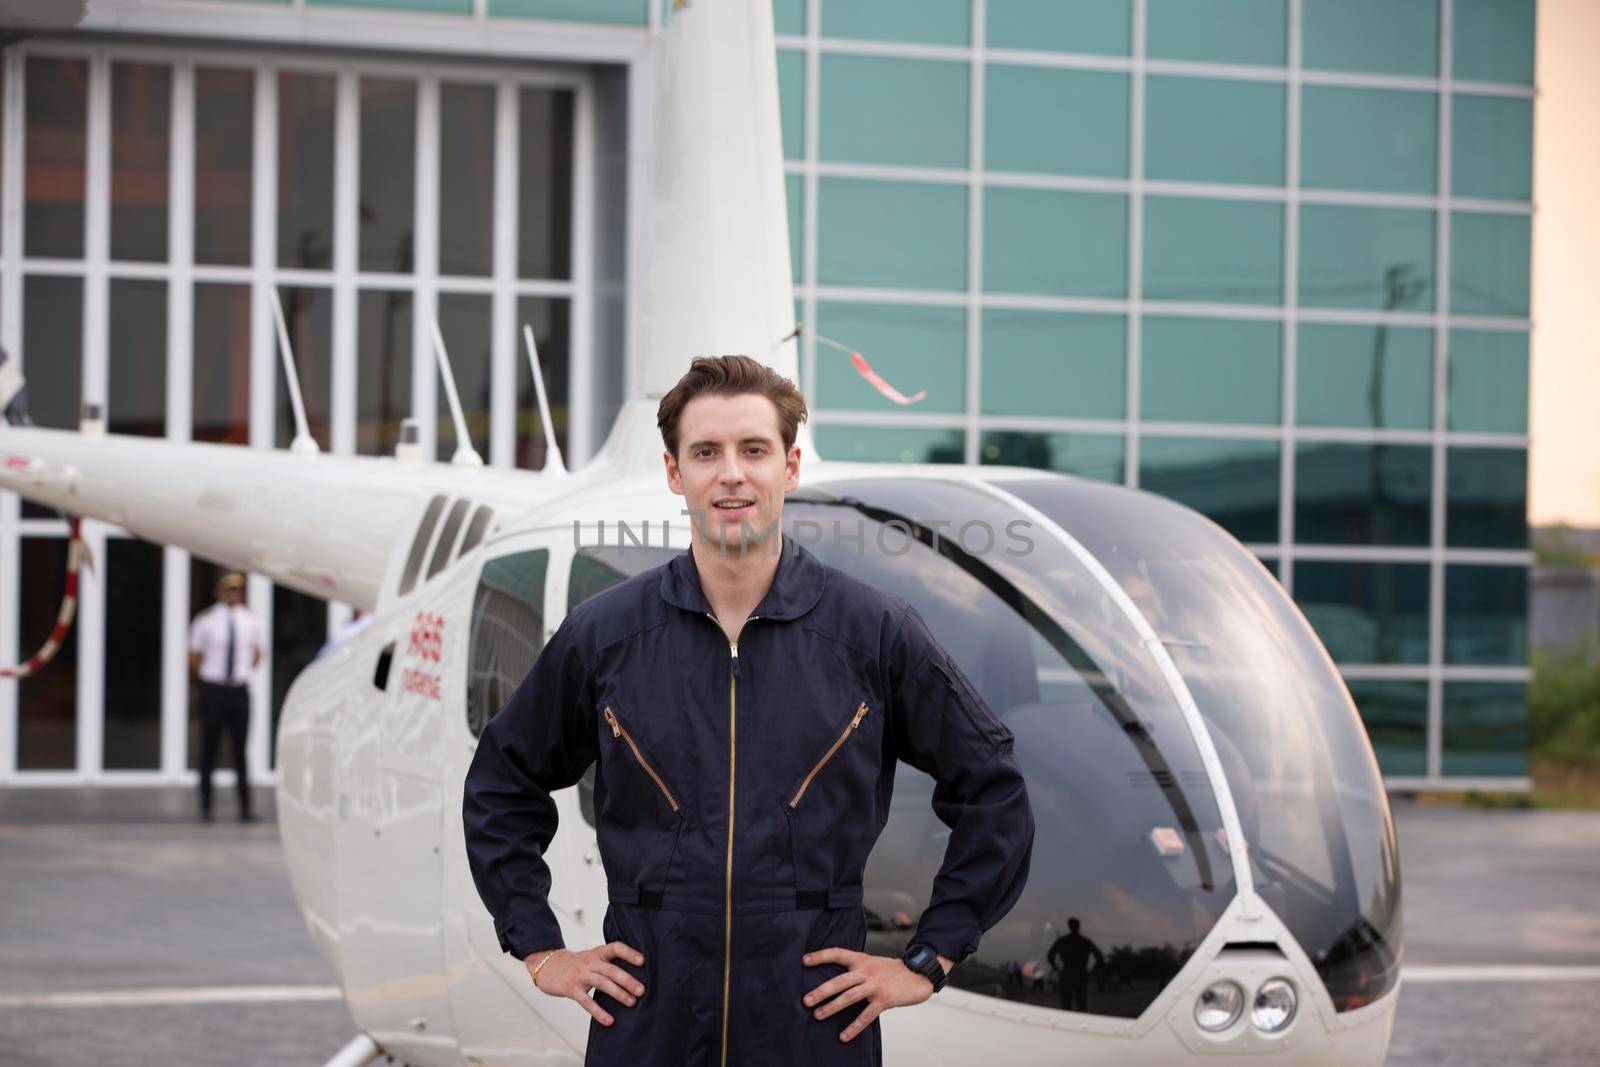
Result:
{"points": [[1213, 833]]}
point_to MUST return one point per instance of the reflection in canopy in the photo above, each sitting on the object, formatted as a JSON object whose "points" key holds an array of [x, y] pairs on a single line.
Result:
{"points": [[1128, 838]]}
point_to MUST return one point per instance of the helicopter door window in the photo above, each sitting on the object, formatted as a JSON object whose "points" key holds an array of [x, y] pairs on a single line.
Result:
{"points": [[447, 536], [507, 631], [419, 544]]}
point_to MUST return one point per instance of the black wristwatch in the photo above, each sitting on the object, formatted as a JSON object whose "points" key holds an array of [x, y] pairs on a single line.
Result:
{"points": [[925, 961]]}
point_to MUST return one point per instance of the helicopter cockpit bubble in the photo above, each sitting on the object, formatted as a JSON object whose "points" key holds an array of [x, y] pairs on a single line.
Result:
{"points": [[1309, 792], [1129, 837]]}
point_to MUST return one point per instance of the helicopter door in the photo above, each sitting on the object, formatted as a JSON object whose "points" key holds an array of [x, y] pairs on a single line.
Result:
{"points": [[392, 796], [515, 607]]}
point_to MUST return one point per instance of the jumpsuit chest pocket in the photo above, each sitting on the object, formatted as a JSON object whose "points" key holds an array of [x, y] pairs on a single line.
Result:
{"points": [[831, 808], [636, 793], [845, 736]]}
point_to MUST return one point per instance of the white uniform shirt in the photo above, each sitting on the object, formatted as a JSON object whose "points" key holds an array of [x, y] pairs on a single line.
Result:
{"points": [[208, 635]]}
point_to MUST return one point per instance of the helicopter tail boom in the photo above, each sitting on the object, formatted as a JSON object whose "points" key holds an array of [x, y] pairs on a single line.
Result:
{"points": [[324, 525]]}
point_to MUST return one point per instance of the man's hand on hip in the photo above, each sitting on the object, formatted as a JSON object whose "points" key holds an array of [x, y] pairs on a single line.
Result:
{"points": [[882, 981], [573, 974]]}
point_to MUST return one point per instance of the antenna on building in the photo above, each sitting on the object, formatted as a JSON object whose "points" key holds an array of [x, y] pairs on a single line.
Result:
{"points": [[553, 461], [303, 442], [465, 454]]}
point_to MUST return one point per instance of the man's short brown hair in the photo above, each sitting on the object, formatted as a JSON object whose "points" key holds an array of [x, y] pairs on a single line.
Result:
{"points": [[731, 376]]}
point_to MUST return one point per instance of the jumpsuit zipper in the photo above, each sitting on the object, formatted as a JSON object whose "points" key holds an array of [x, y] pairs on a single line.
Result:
{"points": [[618, 731], [727, 905], [826, 756]]}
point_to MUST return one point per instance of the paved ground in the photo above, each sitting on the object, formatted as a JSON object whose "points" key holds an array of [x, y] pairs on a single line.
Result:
{"points": [[116, 890]]}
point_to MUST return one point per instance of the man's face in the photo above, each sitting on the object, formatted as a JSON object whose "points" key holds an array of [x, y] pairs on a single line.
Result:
{"points": [[730, 451], [230, 595]]}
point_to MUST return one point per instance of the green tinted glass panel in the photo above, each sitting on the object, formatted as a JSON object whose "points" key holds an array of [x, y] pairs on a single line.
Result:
{"points": [[1054, 242], [1485, 729], [1486, 498], [1494, 41], [789, 16], [1489, 265], [1210, 130], [1486, 615], [1053, 364], [911, 112], [1362, 494], [924, 21], [1233, 482], [1366, 257], [792, 102], [910, 235], [886, 444], [912, 347], [1210, 370], [629, 12], [795, 201], [1218, 31], [1100, 27], [1491, 145], [1049, 121], [1489, 381], [448, 7], [1395, 714], [1380, 36], [1088, 455], [1227, 251], [1365, 376], [1366, 612], [1370, 139]]}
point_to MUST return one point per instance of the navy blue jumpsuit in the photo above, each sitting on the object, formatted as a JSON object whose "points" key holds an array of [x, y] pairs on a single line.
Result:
{"points": [[739, 791]]}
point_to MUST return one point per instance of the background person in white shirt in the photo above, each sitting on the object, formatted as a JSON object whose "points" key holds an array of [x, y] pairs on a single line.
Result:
{"points": [[224, 649]]}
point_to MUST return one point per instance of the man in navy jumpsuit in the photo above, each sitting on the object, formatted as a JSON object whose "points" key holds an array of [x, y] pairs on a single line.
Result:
{"points": [[747, 708]]}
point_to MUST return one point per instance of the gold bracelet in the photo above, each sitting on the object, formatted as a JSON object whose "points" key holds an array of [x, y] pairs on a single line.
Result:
{"points": [[534, 974]]}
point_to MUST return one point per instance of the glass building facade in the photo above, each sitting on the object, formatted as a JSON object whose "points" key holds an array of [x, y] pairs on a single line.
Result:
{"points": [[1269, 258], [1266, 257]]}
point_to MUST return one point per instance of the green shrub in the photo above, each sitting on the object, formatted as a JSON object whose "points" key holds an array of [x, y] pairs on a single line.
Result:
{"points": [[1564, 708]]}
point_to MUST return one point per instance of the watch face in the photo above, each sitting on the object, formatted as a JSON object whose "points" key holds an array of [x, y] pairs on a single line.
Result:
{"points": [[919, 955]]}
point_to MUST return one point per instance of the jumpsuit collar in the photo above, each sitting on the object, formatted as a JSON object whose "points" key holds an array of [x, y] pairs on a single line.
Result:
{"points": [[796, 585]]}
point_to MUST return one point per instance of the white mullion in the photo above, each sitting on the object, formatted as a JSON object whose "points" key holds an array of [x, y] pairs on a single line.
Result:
{"points": [[1290, 341], [899, 172], [180, 414], [812, 130], [96, 327], [11, 177], [424, 371], [263, 379], [1127, 64], [641, 202], [581, 429], [346, 220], [505, 330], [1134, 342], [174, 662], [1441, 381], [97, 232], [258, 743], [346, 262], [976, 96]]}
